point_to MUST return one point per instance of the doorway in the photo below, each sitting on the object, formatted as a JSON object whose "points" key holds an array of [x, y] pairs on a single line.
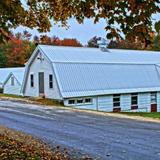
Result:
{"points": [[41, 83]]}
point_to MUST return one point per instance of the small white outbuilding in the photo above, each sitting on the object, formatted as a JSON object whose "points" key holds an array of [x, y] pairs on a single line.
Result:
{"points": [[4, 72], [13, 82], [108, 80]]}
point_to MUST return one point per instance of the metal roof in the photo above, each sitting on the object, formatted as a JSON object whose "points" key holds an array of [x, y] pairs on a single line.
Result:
{"points": [[77, 79], [89, 71], [95, 55], [4, 72], [19, 75]]}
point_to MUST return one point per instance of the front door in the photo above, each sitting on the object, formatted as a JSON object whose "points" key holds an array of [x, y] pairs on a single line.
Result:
{"points": [[41, 82], [153, 107]]}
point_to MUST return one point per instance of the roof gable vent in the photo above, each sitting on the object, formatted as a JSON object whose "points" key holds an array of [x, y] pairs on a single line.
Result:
{"points": [[103, 45]]}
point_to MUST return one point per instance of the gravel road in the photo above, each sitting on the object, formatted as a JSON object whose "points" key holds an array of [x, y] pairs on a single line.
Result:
{"points": [[104, 137]]}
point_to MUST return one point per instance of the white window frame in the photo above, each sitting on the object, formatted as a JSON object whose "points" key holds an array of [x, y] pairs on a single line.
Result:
{"points": [[83, 101], [72, 100], [50, 81], [79, 99], [31, 80], [153, 96], [91, 100], [114, 102], [132, 96]]}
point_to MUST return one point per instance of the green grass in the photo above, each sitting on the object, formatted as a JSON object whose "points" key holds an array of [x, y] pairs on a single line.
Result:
{"points": [[10, 96], [43, 101], [46, 101], [143, 114]]}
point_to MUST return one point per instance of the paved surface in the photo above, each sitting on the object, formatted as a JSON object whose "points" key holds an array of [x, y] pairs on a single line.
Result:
{"points": [[109, 138]]}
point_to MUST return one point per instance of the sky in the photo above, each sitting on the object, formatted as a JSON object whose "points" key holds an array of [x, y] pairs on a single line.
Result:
{"points": [[82, 32]]}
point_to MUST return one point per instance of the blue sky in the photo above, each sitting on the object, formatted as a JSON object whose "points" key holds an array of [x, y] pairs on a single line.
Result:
{"points": [[82, 32]]}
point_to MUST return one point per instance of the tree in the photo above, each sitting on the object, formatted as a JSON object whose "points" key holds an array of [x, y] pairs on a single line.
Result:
{"points": [[17, 51], [3, 58], [132, 16], [156, 43], [70, 42], [93, 42], [157, 27], [126, 44]]}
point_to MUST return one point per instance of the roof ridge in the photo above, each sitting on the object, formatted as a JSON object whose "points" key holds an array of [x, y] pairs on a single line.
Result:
{"points": [[122, 63]]}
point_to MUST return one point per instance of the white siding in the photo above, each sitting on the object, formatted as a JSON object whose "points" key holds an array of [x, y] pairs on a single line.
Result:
{"points": [[158, 101], [42, 66], [15, 89], [105, 103], [92, 106], [144, 102], [125, 102]]}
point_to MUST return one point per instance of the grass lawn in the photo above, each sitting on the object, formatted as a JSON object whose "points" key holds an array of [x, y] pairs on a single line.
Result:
{"points": [[18, 146], [33, 100], [143, 114], [10, 96]]}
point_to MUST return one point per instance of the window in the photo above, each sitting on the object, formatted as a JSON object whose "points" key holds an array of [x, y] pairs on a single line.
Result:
{"points": [[88, 100], [12, 81], [32, 80], [50, 81], [79, 101], [134, 99], [71, 101], [153, 98], [116, 101]]}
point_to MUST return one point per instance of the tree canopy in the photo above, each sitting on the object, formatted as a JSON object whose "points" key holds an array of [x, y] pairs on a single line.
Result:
{"points": [[133, 18]]}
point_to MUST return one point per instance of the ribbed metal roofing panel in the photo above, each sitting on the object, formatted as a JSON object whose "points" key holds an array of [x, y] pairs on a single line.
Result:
{"points": [[98, 78], [95, 55], [19, 74], [4, 72]]}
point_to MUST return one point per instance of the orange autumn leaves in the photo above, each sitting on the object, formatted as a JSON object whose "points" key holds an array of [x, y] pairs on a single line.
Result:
{"points": [[16, 51]]}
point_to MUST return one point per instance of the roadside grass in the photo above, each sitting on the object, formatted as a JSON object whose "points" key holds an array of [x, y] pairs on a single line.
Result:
{"points": [[42, 101], [143, 114], [10, 96], [15, 145], [45, 101]]}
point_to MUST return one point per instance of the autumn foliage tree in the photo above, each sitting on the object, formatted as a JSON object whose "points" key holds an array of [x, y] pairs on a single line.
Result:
{"points": [[70, 42], [131, 17], [56, 41], [17, 51]]}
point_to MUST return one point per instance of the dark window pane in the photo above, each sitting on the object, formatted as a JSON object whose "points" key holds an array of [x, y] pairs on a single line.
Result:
{"points": [[79, 100], [50, 77], [116, 99], [116, 104], [134, 103], [88, 100], [72, 101], [134, 99], [50, 81], [12, 81], [32, 80]]}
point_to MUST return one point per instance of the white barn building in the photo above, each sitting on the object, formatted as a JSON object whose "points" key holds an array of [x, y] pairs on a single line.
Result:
{"points": [[4, 72], [13, 83], [118, 80]]}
